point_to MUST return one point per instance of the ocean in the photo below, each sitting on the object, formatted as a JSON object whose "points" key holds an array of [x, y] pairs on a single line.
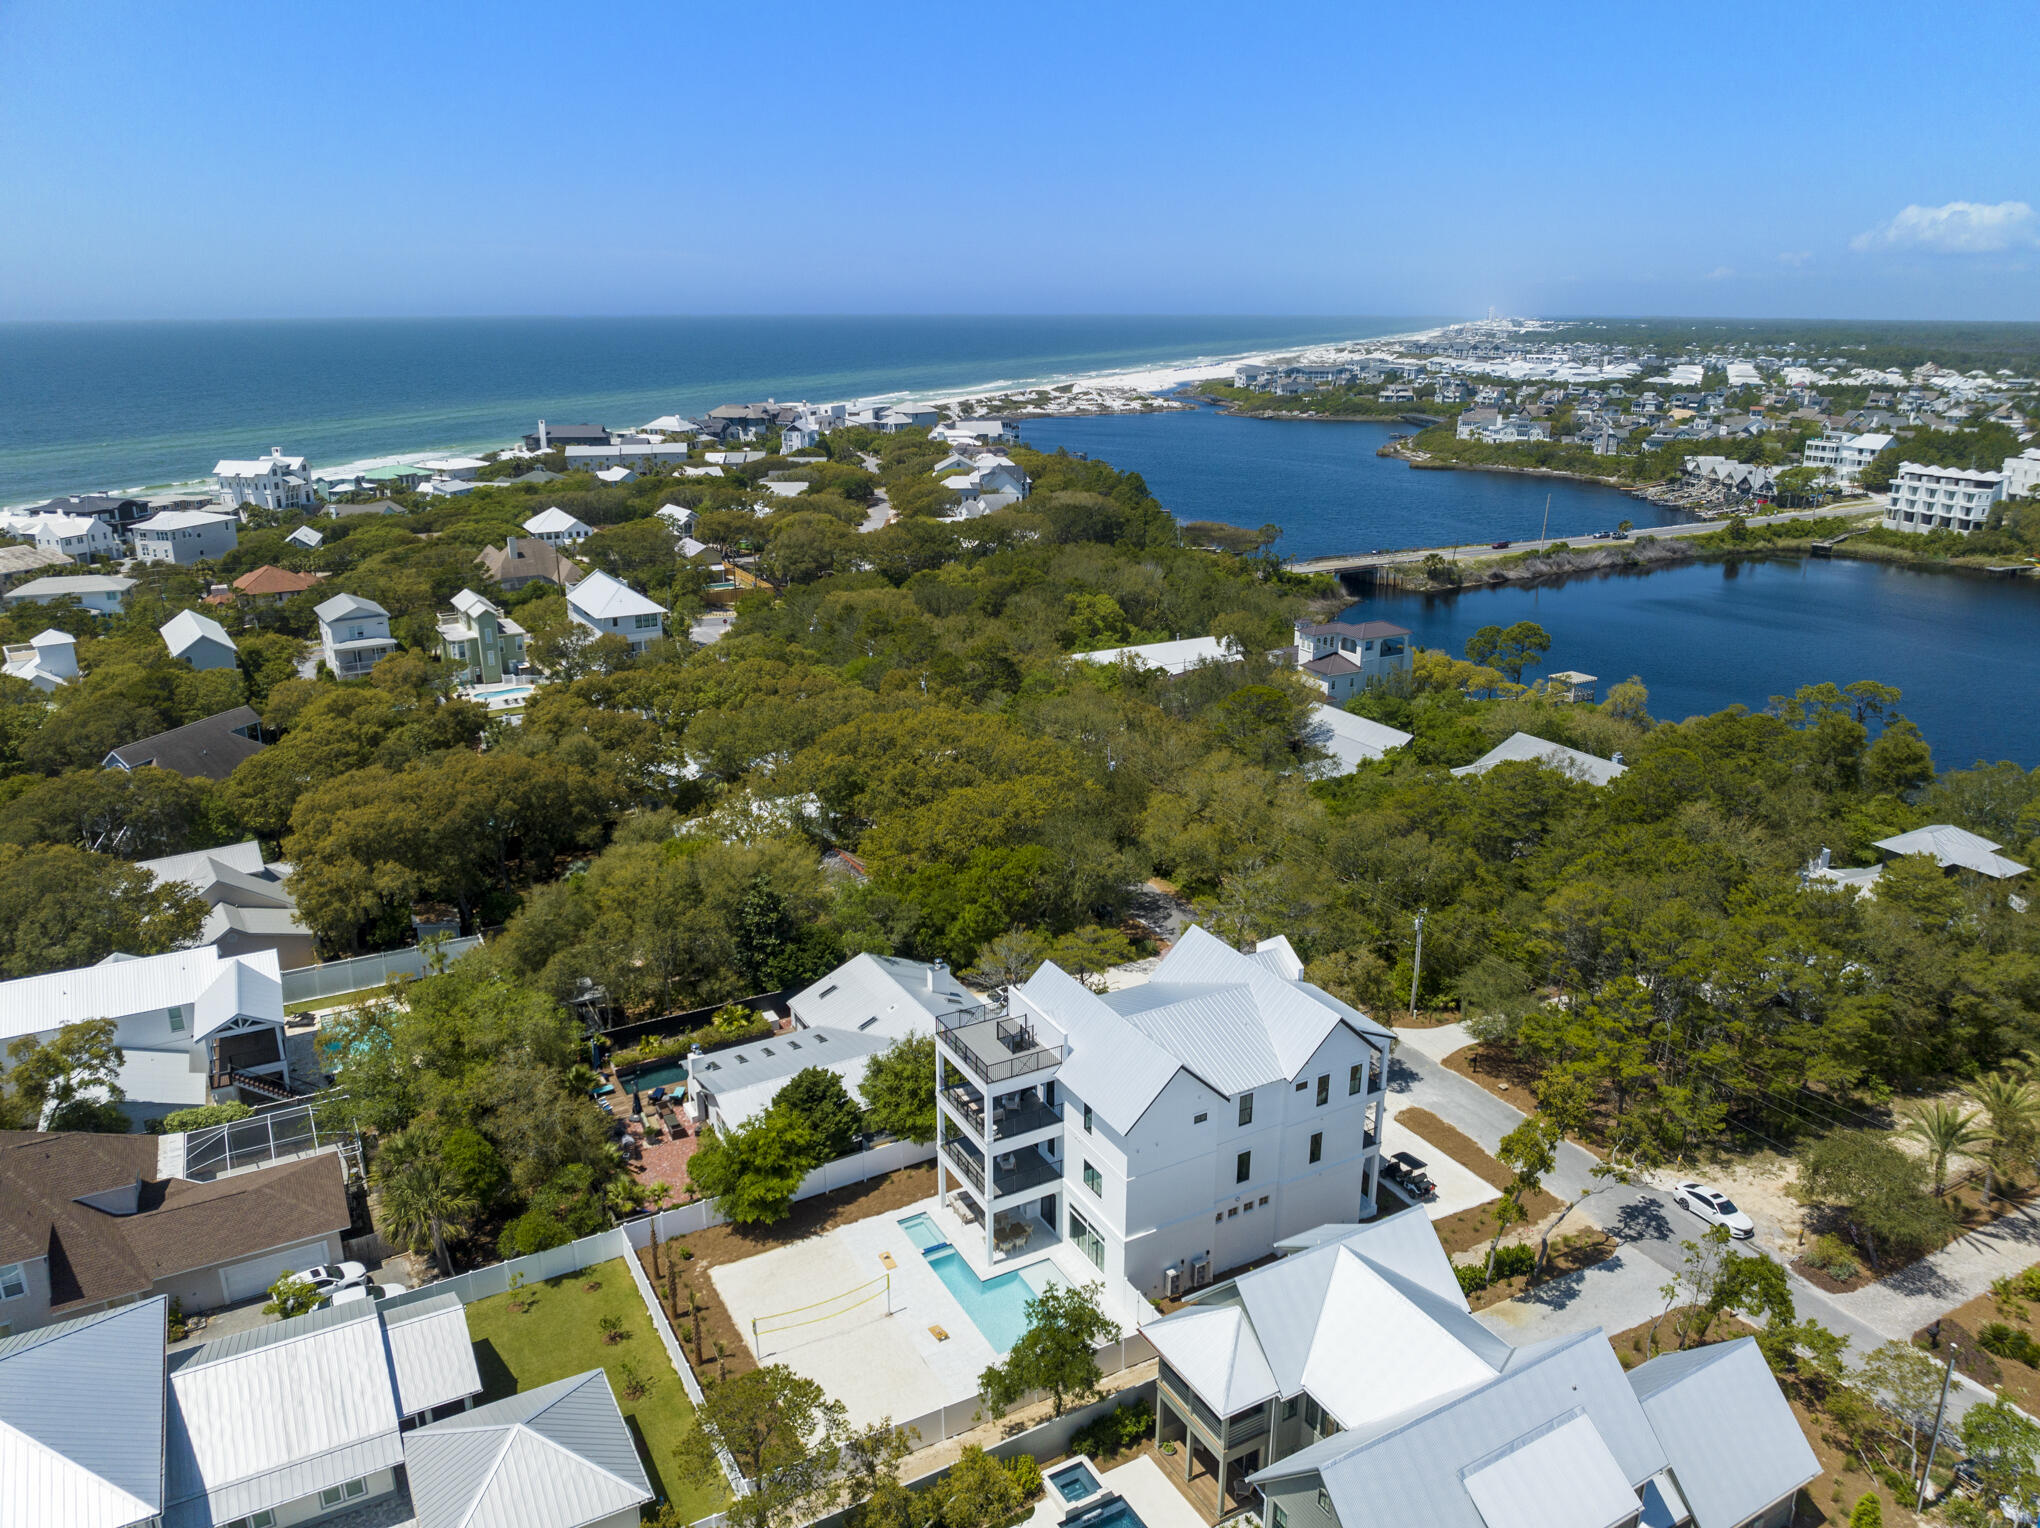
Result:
{"points": [[92, 407]]}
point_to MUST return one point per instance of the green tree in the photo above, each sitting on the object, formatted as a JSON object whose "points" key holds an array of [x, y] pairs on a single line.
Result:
{"points": [[753, 1170], [786, 1437], [1529, 1152], [1899, 762], [1057, 1352], [1510, 649], [899, 1089], [1943, 1130], [1877, 1191], [2010, 1110], [420, 1196], [1867, 1513], [292, 1296], [980, 1492], [2002, 1444], [67, 1081], [1908, 1383], [816, 1097], [62, 908]]}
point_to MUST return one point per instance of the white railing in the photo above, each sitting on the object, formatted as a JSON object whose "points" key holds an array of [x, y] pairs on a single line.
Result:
{"points": [[337, 978]]}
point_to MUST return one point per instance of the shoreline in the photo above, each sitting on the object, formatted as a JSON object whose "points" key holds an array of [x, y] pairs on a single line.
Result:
{"points": [[1149, 379]]}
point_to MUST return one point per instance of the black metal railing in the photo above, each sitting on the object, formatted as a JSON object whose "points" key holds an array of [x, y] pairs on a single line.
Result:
{"points": [[1024, 1119], [966, 1162]]}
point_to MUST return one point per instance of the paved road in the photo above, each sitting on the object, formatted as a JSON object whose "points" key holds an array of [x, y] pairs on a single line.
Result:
{"points": [[1481, 548]]}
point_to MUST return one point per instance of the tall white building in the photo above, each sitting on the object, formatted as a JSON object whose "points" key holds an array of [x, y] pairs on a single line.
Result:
{"points": [[2022, 474], [1167, 1130], [1843, 457], [274, 481], [1941, 498], [185, 536], [609, 607]]}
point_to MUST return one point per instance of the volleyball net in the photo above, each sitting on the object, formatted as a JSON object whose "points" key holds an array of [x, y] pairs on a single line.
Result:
{"points": [[831, 1309]]}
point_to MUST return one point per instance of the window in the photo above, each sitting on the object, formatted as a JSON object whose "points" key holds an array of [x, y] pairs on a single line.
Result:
{"points": [[1085, 1237], [263, 1519], [1324, 1089], [1356, 1078], [13, 1281], [1281, 1518], [1317, 1147], [1264, 1201], [177, 1020], [1301, 1086], [1087, 1119], [1200, 1119], [1289, 1409], [1246, 1108], [1310, 1413], [1244, 1169], [333, 1496], [1324, 1501], [1093, 1181]]}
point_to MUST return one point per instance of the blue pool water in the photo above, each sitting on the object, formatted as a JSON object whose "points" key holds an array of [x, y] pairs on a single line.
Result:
{"points": [[1075, 1481], [671, 1075], [997, 1308], [1108, 1512]]}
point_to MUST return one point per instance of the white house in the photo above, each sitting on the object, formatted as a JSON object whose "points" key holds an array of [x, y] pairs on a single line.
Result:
{"points": [[1347, 1385], [1167, 1130], [679, 517], [462, 468], [556, 528], [274, 481], [354, 635], [305, 538], [1349, 740], [1950, 847], [77, 536], [1925, 498], [184, 536], [194, 1026], [1343, 657], [47, 660], [1843, 456], [1522, 748], [616, 477], [101, 593], [1177, 657], [2022, 474], [609, 607], [248, 901], [199, 640]]}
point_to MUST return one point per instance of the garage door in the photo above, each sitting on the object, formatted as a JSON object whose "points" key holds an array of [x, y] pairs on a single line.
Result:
{"points": [[257, 1274]]}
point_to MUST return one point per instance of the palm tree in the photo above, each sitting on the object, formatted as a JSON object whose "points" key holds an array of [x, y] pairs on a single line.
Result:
{"points": [[1946, 1131], [2011, 1113], [420, 1195]]}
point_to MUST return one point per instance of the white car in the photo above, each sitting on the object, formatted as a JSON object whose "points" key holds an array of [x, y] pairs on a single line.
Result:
{"points": [[330, 1278], [358, 1292], [1714, 1207]]}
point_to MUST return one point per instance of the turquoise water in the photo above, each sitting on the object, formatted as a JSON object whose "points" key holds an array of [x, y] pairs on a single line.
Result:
{"points": [[1112, 1512], [1075, 1482], [122, 405], [671, 1075], [997, 1308]]}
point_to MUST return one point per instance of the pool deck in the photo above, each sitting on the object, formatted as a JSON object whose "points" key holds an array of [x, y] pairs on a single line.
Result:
{"points": [[1152, 1495], [877, 1365]]}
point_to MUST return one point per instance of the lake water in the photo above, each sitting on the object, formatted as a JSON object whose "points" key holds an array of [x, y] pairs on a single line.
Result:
{"points": [[1322, 482], [119, 405], [1964, 650]]}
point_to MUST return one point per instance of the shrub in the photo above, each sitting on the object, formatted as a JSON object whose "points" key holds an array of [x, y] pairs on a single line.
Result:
{"points": [[1516, 1262], [2009, 1342], [1113, 1433], [612, 1330], [1026, 1475], [1834, 1257], [204, 1115], [1868, 1513], [1472, 1277]]}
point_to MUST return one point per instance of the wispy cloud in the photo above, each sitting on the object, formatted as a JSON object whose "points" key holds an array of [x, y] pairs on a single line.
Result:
{"points": [[1721, 273], [1955, 228], [1794, 257]]}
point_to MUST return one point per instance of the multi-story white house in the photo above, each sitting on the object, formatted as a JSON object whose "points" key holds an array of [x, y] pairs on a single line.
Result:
{"points": [[610, 607], [1842, 456], [2022, 474], [354, 635], [274, 481], [479, 643], [185, 536], [1343, 657], [1927, 498], [1166, 1130], [77, 536], [556, 528], [48, 660]]}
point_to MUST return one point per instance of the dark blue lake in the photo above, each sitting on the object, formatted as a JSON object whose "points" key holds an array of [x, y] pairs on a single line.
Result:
{"points": [[1964, 650]]}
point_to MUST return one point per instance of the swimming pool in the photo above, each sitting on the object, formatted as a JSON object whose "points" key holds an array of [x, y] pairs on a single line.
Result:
{"points": [[1108, 1511], [1075, 1480], [670, 1075], [997, 1308]]}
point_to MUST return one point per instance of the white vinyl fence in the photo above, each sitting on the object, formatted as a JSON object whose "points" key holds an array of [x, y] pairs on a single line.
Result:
{"points": [[945, 1422]]}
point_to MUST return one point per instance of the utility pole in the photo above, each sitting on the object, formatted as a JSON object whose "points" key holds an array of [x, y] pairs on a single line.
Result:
{"points": [[1544, 530], [1934, 1440], [1417, 967]]}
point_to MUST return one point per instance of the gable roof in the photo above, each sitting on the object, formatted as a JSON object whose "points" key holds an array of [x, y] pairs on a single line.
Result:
{"points": [[887, 995], [523, 557], [341, 606], [1352, 740], [186, 629], [603, 598], [1734, 1444], [559, 1456], [1522, 748], [270, 579], [553, 521], [431, 1354], [1954, 848], [207, 749]]}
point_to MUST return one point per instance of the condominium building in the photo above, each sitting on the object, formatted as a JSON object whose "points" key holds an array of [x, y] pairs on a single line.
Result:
{"points": [[1169, 1129], [1927, 498], [2022, 474], [1843, 456]]}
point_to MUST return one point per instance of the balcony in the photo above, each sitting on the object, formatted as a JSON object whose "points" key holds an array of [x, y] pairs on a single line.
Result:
{"points": [[993, 1046], [1029, 1170], [1011, 1118]]}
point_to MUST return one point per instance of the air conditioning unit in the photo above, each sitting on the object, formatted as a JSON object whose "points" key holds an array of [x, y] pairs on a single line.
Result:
{"points": [[1200, 1273], [1172, 1282]]}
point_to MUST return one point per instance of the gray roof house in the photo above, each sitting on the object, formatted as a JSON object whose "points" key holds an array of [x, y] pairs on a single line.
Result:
{"points": [[1522, 748], [198, 640], [250, 906], [208, 748]]}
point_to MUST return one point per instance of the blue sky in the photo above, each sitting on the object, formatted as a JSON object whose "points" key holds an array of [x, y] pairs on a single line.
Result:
{"points": [[369, 158]]}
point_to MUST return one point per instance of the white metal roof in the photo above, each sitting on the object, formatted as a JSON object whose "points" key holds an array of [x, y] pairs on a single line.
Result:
{"points": [[188, 628], [196, 868], [1215, 1351], [34, 1005], [81, 1420], [1522, 748], [1351, 740], [341, 606], [71, 583], [182, 520], [1559, 1475], [1177, 657], [1954, 847], [431, 1354], [270, 1415], [600, 597], [559, 1456], [1734, 1444], [886, 994], [555, 521]]}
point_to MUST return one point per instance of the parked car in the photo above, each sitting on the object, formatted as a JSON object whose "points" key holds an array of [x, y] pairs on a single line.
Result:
{"points": [[354, 1293], [1714, 1207], [328, 1278], [1498, 545]]}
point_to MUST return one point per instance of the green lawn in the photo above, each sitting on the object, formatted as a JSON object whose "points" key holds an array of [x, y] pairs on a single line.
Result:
{"points": [[558, 1336]]}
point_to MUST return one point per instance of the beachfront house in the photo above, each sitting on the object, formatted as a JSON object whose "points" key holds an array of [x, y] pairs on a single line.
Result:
{"points": [[48, 660], [556, 528], [354, 635], [2022, 474], [1347, 1385], [199, 641], [478, 642], [274, 481], [1170, 1130], [1926, 498], [609, 607], [184, 536], [558, 437], [521, 560], [1343, 657]]}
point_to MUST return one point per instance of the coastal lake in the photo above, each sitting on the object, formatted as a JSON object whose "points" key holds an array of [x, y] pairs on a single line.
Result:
{"points": [[1964, 650]]}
